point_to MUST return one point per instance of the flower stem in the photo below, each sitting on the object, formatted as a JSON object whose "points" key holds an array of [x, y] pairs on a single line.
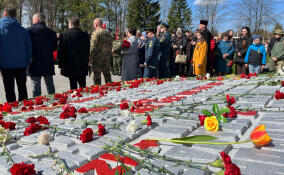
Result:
{"points": [[192, 142]]}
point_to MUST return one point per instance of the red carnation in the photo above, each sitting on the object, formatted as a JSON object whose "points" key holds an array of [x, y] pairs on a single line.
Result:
{"points": [[243, 75], [201, 119], [42, 120], [1, 117], [124, 106], [64, 115], [149, 120], [233, 112], [282, 83], [83, 110], [28, 103], [230, 168], [22, 169], [118, 88], [15, 104], [87, 135], [279, 95], [101, 130], [132, 108], [31, 120], [7, 108], [2, 123], [230, 100], [33, 128], [23, 108], [10, 125]]}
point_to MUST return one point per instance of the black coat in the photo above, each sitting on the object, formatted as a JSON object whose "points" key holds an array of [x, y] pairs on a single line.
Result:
{"points": [[73, 53], [207, 37], [242, 46], [181, 42], [44, 43]]}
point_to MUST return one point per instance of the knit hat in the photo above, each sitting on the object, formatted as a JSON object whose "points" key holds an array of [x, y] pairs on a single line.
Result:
{"points": [[254, 37]]}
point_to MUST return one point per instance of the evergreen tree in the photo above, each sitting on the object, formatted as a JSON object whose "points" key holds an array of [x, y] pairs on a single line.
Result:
{"points": [[143, 14], [179, 15]]}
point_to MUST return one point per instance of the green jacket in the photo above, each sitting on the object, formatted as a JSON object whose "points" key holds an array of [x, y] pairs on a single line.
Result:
{"points": [[278, 50], [116, 46]]}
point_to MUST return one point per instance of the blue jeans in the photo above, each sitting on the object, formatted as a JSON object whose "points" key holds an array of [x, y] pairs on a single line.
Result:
{"points": [[150, 72], [36, 85], [254, 68]]}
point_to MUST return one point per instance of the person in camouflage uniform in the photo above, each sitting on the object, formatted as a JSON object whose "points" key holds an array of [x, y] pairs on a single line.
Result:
{"points": [[277, 55], [100, 52], [116, 54]]}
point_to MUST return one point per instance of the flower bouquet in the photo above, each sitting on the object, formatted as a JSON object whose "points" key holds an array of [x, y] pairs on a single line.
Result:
{"points": [[125, 45]]}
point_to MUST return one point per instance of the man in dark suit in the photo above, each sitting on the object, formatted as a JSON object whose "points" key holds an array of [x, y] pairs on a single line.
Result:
{"points": [[44, 43], [73, 54]]}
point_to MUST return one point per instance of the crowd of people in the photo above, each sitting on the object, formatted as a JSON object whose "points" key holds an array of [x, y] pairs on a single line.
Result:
{"points": [[155, 52]]}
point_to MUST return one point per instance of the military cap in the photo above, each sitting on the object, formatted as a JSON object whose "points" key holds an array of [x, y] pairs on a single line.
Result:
{"points": [[149, 30], [204, 22], [164, 25]]}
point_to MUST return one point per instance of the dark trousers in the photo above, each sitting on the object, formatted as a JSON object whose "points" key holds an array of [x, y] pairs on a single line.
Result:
{"points": [[189, 70], [9, 76], [163, 68], [180, 69], [75, 80], [171, 66], [241, 68]]}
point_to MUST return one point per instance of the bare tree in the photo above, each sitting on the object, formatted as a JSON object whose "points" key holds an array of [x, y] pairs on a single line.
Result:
{"points": [[256, 14], [212, 10]]}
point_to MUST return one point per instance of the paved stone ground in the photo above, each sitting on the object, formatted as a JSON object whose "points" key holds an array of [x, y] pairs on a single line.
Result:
{"points": [[61, 84], [169, 121]]}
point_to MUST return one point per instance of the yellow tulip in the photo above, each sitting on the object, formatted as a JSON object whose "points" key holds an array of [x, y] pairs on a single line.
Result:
{"points": [[259, 137]]}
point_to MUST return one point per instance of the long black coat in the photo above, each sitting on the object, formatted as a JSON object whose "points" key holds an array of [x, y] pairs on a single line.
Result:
{"points": [[44, 43], [73, 53]]}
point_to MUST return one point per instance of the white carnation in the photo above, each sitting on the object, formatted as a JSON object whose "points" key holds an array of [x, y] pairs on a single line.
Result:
{"points": [[177, 78], [132, 126], [208, 75], [44, 139]]}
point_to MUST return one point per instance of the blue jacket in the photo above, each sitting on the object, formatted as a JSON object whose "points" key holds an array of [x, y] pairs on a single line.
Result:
{"points": [[256, 55], [15, 44], [44, 43], [226, 48]]}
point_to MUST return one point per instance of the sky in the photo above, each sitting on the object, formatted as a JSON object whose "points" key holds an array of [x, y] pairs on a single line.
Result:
{"points": [[278, 6]]}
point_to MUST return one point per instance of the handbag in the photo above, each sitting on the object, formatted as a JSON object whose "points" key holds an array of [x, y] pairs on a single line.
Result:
{"points": [[181, 58]]}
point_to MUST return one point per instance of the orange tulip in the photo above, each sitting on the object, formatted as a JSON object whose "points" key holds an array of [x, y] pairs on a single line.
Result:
{"points": [[259, 136]]}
